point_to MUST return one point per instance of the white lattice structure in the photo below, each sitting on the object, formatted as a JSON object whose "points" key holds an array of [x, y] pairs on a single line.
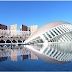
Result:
{"points": [[14, 33], [57, 31]]}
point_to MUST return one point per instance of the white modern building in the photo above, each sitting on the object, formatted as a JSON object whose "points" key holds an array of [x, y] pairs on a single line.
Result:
{"points": [[57, 31]]}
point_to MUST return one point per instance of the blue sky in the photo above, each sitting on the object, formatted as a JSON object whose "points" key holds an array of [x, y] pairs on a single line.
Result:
{"points": [[34, 12]]}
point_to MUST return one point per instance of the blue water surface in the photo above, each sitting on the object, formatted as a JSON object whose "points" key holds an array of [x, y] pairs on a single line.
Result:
{"points": [[32, 65]]}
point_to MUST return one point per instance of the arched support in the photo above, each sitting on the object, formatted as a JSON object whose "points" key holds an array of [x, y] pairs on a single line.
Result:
{"points": [[14, 41], [19, 41], [8, 41]]}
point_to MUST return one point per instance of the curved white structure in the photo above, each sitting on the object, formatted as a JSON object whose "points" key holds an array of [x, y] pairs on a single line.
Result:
{"points": [[54, 53], [57, 31]]}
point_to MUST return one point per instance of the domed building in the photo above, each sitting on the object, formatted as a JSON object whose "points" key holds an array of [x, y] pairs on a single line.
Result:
{"points": [[57, 31]]}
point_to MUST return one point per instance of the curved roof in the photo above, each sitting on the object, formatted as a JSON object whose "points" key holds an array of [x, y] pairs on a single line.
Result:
{"points": [[47, 27]]}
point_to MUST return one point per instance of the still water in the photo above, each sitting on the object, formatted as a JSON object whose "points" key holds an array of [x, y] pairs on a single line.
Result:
{"points": [[54, 57]]}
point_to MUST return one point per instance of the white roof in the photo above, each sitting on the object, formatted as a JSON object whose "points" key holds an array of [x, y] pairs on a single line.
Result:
{"points": [[47, 27]]}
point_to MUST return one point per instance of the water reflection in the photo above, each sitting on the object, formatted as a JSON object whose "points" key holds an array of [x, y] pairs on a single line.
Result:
{"points": [[13, 53], [56, 53], [33, 56], [3, 59]]}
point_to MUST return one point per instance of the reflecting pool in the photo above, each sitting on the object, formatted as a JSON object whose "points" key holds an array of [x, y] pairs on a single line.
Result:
{"points": [[37, 57]]}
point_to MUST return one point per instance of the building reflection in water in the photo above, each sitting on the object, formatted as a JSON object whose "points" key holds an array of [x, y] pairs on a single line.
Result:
{"points": [[23, 57], [3, 59], [3, 56], [33, 56], [56, 53], [13, 55], [26, 54]]}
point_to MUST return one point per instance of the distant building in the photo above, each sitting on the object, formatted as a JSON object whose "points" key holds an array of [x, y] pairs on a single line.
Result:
{"points": [[3, 27], [23, 28], [13, 27], [33, 28]]}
